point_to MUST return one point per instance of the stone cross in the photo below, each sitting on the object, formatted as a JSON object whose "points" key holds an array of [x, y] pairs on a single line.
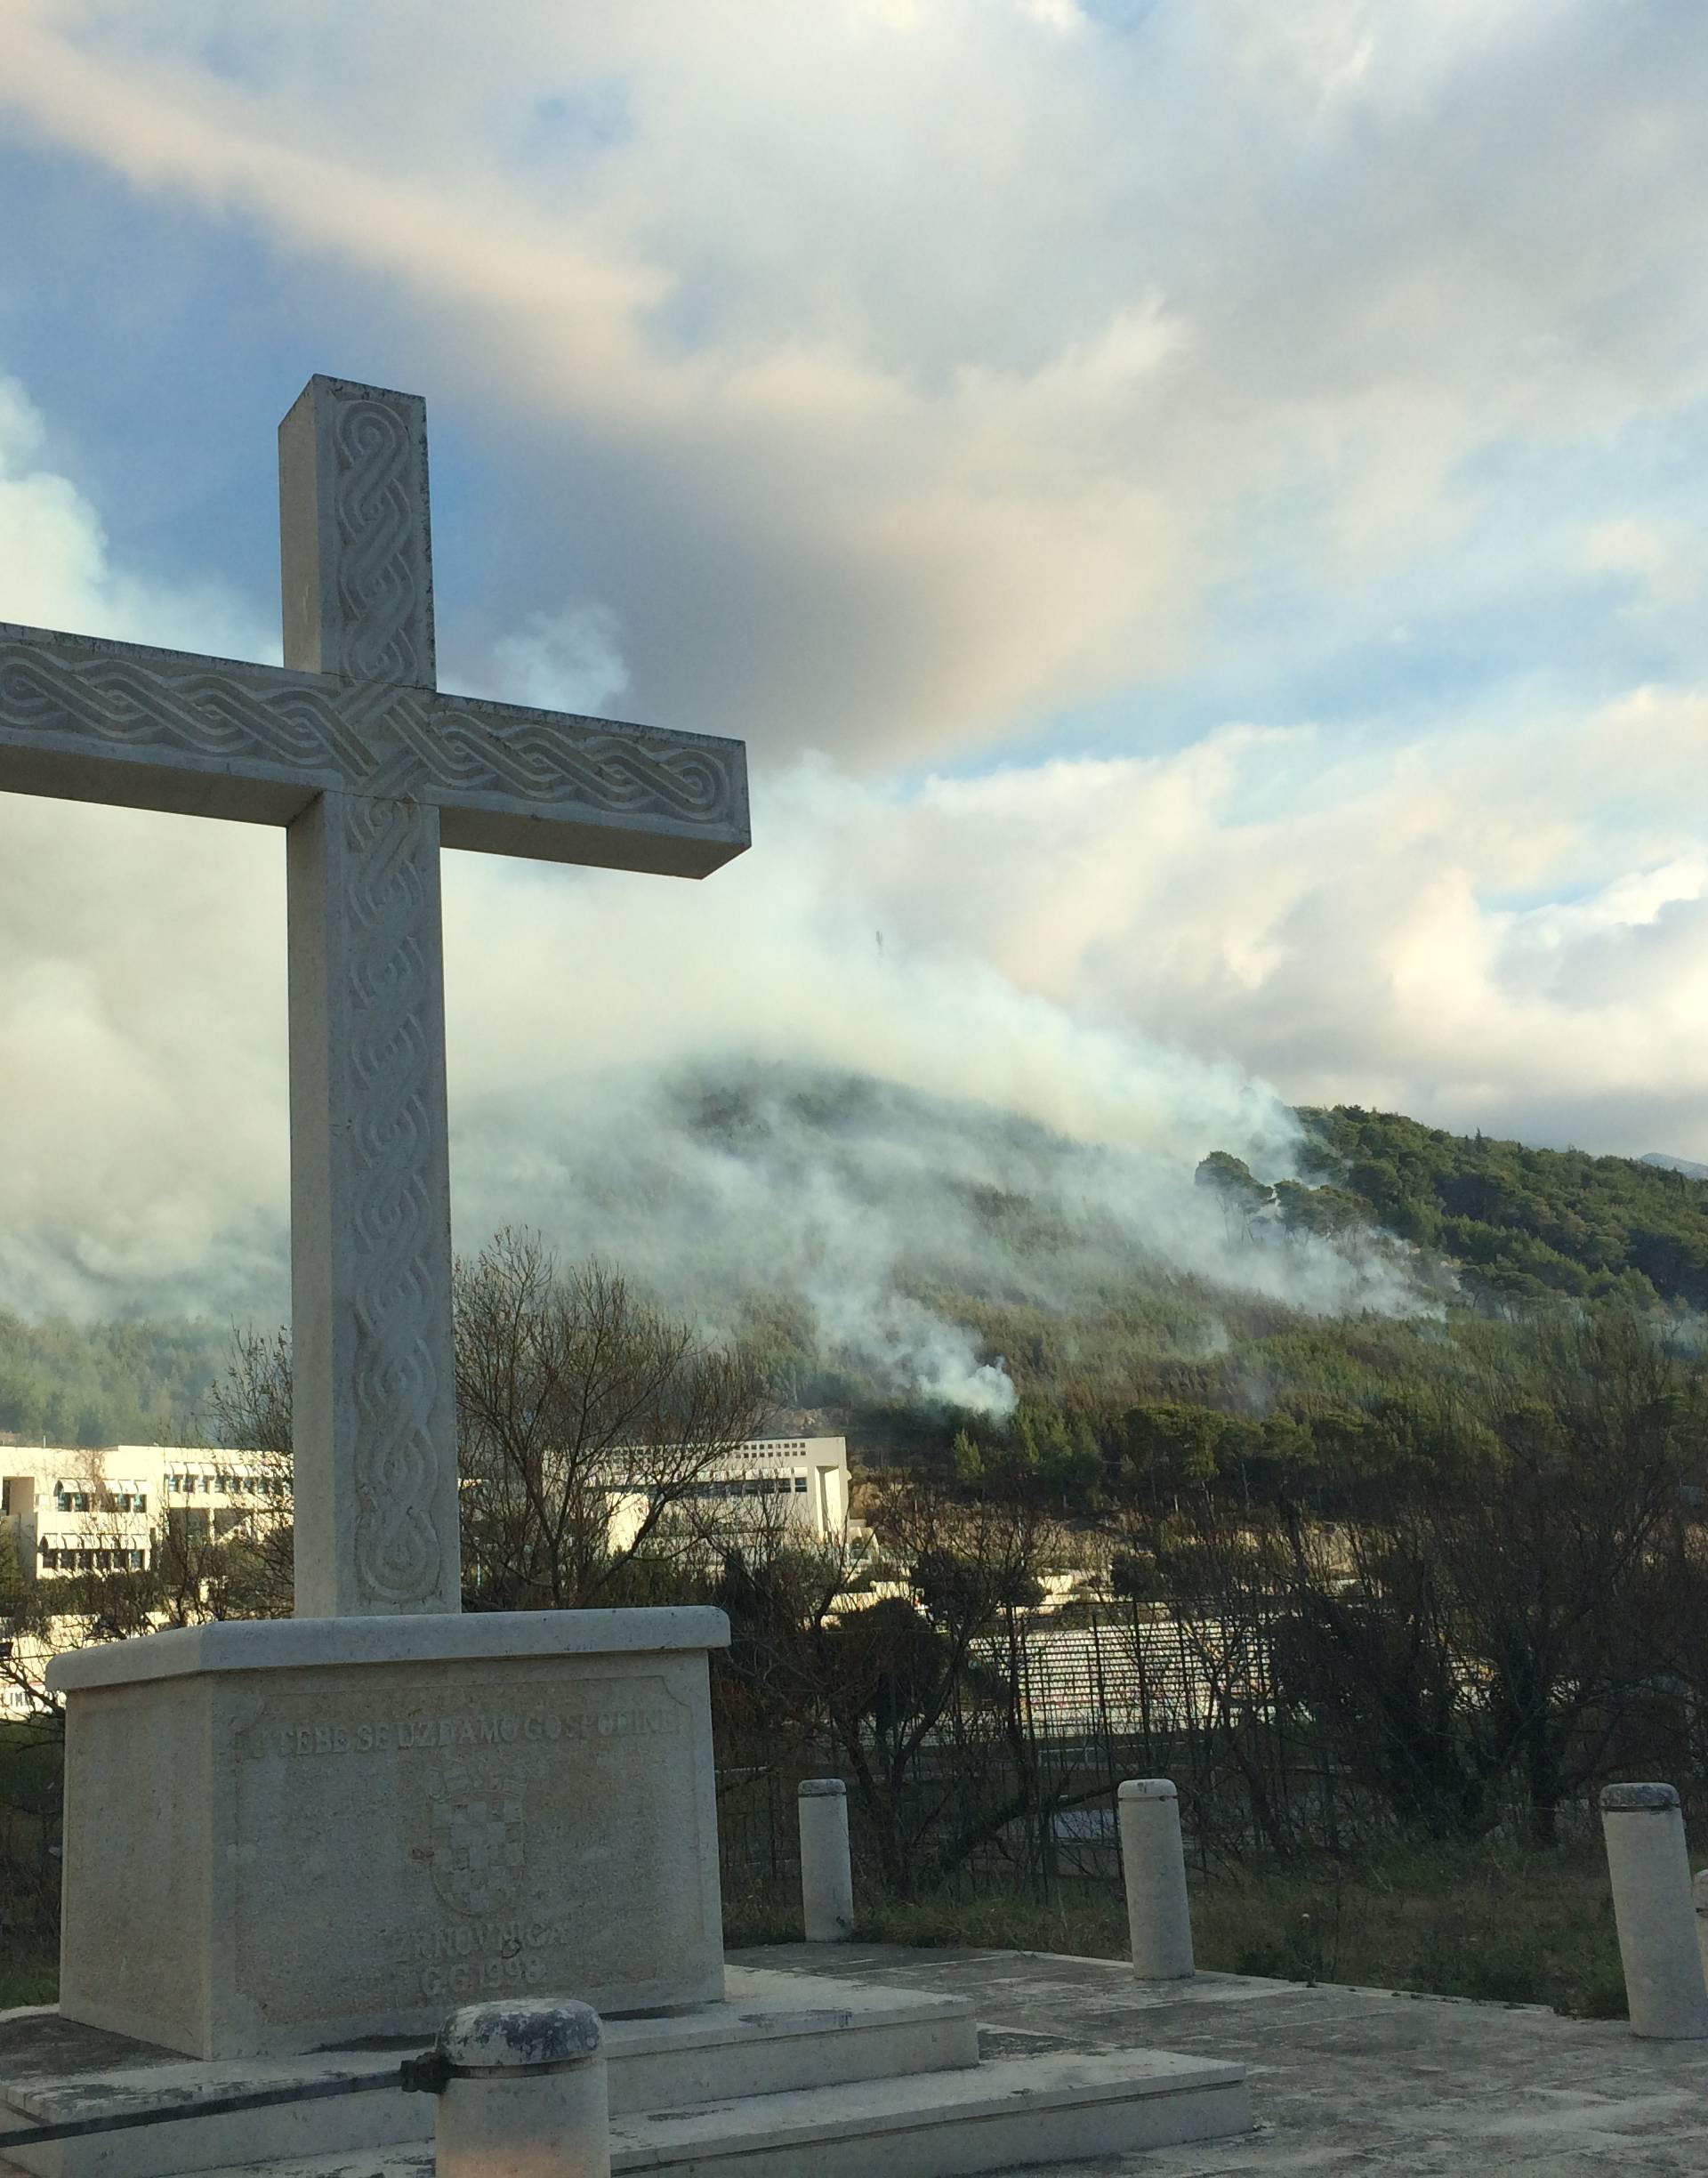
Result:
{"points": [[351, 748]]}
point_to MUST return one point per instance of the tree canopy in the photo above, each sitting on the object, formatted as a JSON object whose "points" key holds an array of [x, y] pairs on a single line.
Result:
{"points": [[1523, 1223]]}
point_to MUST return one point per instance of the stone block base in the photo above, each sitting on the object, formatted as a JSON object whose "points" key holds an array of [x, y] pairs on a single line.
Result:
{"points": [[281, 1836]]}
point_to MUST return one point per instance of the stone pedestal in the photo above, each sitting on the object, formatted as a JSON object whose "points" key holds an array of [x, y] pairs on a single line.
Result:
{"points": [[281, 1836]]}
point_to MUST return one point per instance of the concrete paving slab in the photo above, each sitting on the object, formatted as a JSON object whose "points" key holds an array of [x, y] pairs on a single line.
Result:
{"points": [[1343, 2081]]}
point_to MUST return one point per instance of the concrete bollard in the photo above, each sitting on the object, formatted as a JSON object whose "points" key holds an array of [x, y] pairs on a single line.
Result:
{"points": [[1699, 1891], [521, 2091], [1153, 1864], [826, 1877], [1653, 1906]]}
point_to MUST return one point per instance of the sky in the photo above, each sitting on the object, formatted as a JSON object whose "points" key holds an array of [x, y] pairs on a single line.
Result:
{"points": [[1194, 505]]}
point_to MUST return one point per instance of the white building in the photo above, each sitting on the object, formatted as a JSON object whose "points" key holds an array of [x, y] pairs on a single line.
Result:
{"points": [[73, 1510], [799, 1480], [86, 1511], [82, 1511]]}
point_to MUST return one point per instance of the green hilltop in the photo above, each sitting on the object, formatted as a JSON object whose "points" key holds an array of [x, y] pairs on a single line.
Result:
{"points": [[1522, 1223], [1500, 1235]]}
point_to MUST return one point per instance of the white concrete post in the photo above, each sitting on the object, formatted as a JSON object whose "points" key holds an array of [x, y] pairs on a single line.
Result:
{"points": [[1651, 1904], [827, 1875], [1152, 1863], [1699, 1891], [523, 2092]]}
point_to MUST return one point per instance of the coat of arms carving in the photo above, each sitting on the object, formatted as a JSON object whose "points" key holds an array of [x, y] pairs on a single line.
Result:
{"points": [[478, 1846]]}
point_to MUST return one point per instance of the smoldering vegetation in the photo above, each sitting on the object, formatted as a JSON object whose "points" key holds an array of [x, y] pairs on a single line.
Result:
{"points": [[880, 1240], [883, 1220]]}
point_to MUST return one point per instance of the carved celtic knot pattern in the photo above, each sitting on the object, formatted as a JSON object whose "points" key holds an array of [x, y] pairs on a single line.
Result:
{"points": [[381, 567], [565, 761], [363, 738], [124, 705], [402, 1276]]}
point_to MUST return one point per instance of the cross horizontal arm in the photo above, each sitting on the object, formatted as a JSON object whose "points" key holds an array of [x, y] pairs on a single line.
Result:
{"points": [[87, 721]]}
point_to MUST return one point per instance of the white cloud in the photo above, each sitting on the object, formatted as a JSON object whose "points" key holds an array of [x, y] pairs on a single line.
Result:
{"points": [[939, 367], [570, 660], [55, 570]]}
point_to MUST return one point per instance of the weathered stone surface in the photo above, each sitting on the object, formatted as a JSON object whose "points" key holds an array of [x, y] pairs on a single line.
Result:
{"points": [[796, 2073], [373, 1361], [1648, 1870], [826, 1869], [498, 2037], [276, 1842], [1153, 1869], [1639, 1799]]}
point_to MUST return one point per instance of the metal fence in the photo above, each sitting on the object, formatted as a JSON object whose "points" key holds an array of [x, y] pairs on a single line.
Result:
{"points": [[1027, 1775]]}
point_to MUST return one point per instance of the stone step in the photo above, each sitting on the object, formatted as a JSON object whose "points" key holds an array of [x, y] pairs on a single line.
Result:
{"points": [[775, 2033], [1048, 2109], [1051, 2108], [779, 2032]]}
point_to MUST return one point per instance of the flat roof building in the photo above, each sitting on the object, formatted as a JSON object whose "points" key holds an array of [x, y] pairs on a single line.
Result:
{"points": [[76, 1511], [799, 1480]]}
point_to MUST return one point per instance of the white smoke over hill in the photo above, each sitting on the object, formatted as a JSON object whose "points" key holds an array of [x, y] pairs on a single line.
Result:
{"points": [[730, 1089], [868, 1202], [837, 1071]]}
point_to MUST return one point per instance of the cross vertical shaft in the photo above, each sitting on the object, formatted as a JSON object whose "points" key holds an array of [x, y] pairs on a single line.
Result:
{"points": [[374, 1409]]}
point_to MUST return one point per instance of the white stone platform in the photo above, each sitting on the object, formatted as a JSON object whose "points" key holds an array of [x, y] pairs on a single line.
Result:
{"points": [[794, 2072], [285, 1835]]}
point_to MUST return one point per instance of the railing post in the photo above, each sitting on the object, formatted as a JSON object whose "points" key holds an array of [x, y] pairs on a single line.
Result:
{"points": [[1651, 1904], [826, 1875], [521, 2091], [1699, 1892], [1152, 1863]]}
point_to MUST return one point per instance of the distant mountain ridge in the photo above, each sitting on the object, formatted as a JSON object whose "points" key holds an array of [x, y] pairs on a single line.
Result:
{"points": [[1674, 1164]]}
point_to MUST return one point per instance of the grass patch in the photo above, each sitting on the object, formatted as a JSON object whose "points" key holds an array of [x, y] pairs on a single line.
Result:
{"points": [[28, 1977], [1500, 1924], [1503, 1925], [29, 1801]]}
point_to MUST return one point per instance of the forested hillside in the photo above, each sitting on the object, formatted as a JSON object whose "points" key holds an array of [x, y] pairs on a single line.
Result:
{"points": [[134, 1383], [1105, 1341], [1523, 1223], [1191, 1381]]}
